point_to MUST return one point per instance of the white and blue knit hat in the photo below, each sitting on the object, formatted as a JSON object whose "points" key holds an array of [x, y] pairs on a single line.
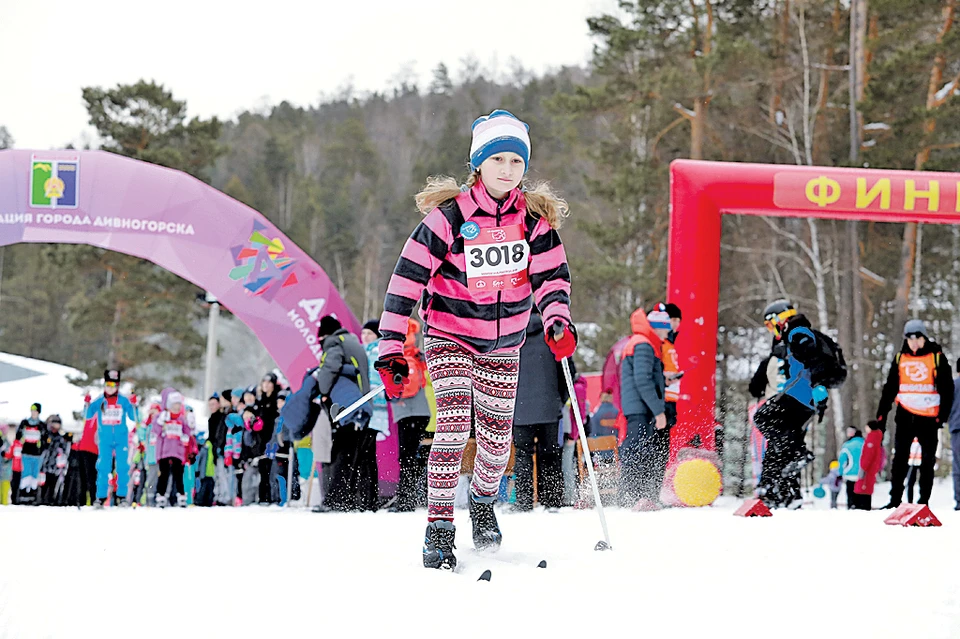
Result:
{"points": [[498, 132]]}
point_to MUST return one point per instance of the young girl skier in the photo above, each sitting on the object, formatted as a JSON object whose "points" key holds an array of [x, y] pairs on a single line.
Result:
{"points": [[484, 255]]}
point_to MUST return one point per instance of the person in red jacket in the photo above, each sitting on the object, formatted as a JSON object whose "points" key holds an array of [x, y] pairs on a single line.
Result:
{"points": [[872, 460]]}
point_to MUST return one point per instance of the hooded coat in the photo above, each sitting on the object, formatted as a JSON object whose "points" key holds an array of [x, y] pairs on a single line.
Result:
{"points": [[642, 384], [172, 431]]}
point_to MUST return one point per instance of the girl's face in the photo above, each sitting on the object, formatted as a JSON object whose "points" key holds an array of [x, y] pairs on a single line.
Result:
{"points": [[176, 407], [267, 387], [367, 336], [501, 173]]}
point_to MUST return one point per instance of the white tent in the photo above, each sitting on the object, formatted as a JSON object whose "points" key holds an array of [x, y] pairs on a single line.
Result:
{"points": [[24, 381]]}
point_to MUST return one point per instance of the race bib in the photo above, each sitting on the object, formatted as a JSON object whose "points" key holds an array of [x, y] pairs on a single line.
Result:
{"points": [[31, 435], [112, 415], [496, 258], [172, 430]]}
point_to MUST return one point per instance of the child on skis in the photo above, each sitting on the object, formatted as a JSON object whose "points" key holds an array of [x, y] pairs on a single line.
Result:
{"points": [[872, 460], [483, 255], [172, 430], [53, 470]]}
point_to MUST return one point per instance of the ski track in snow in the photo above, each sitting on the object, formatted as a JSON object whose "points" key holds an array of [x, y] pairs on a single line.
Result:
{"points": [[270, 572]]}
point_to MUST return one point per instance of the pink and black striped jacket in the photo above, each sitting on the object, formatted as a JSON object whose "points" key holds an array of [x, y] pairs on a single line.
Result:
{"points": [[432, 265]]}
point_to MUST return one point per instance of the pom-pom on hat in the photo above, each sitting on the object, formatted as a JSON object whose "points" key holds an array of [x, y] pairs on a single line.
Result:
{"points": [[496, 133]]}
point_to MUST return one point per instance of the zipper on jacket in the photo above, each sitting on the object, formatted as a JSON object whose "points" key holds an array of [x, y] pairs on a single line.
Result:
{"points": [[496, 344]]}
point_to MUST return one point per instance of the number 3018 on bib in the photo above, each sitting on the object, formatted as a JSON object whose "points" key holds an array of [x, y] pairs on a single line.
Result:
{"points": [[497, 259]]}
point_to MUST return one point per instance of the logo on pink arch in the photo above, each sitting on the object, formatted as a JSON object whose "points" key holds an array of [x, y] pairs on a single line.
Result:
{"points": [[262, 264]]}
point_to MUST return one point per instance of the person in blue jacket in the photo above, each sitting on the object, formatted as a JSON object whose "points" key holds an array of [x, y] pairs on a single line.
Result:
{"points": [[811, 361], [850, 467], [112, 411]]}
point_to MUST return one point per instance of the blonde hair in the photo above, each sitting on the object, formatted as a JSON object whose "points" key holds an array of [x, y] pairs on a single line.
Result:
{"points": [[540, 197]]}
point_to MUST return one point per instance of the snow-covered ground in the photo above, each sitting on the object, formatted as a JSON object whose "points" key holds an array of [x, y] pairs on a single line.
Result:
{"points": [[267, 572]]}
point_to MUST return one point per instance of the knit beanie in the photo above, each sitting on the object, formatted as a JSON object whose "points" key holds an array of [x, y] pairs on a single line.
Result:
{"points": [[496, 133], [914, 326], [373, 325], [659, 320], [174, 398], [328, 326]]}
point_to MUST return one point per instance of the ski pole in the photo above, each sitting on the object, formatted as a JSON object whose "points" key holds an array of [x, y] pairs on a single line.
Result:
{"points": [[337, 412], [565, 364]]}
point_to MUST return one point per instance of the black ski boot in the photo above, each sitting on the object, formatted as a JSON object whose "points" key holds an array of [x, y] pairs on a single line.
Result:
{"points": [[486, 531], [799, 463], [438, 545]]}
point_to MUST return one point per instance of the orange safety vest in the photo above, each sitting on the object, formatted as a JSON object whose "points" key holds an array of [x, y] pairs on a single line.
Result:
{"points": [[671, 364], [918, 391]]}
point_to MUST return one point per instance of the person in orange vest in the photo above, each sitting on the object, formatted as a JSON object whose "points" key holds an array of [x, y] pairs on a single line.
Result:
{"points": [[921, 383]]}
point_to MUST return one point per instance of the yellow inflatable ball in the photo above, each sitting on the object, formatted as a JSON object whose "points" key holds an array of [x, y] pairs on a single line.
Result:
{"points": [[697, 482]]}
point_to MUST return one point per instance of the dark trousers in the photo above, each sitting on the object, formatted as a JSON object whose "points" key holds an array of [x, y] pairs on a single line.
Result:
{"points": [[643, 460], [856, 501], [52, 492], [170, 468], [88, 477], [205, 492], [549, 464], [955, 445], [354, 481], [264, 466], [410, 431], [283, 468], [926, 430], [781, 419], [15, 487]]}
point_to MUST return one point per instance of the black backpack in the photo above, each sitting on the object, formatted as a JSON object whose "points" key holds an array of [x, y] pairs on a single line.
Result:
{"points": [[830, 370]]}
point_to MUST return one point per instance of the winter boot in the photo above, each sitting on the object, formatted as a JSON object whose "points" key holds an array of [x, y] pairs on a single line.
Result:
{"points": [[161, 501], [438, 545], [182, 500], [486, 531]]}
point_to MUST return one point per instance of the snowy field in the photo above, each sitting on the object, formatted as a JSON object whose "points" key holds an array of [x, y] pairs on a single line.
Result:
{"points": [[267, 572]]}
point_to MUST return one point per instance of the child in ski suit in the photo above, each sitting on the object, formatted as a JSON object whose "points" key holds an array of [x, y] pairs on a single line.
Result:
{"points": [[32, 434], [833, 481], [850, 465], [14, 457], [483, 256], [232, 448], [112, 411], [53, 470], [172, 430], [872, 460]]}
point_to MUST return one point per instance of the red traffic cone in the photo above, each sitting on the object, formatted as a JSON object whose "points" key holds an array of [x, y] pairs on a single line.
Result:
{"points": [[912, 515], [753, 508]]}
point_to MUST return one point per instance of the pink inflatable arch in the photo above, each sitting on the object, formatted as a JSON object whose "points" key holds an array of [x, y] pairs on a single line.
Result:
{"points": [[183, 225]]}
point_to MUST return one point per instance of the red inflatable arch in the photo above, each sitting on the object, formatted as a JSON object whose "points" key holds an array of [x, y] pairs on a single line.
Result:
{"points": [[700, 192]]}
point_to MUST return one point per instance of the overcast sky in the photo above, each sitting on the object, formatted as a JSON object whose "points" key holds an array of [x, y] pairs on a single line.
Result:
{"points": [[222, 59]]}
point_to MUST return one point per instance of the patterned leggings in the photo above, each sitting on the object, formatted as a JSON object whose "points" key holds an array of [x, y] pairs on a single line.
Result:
{"points": [[468, 387]]}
